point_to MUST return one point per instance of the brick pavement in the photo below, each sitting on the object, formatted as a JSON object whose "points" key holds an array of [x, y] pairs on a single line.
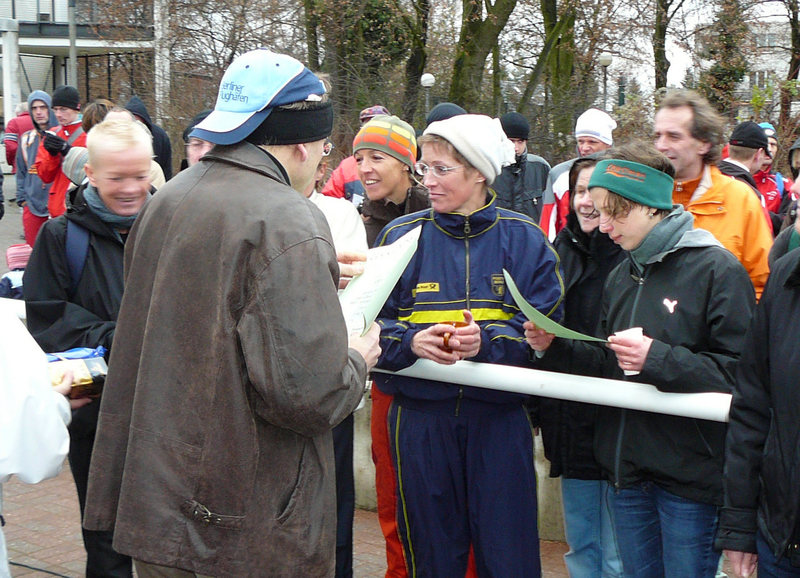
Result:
{"points": [[42, 521], [43, 532]]}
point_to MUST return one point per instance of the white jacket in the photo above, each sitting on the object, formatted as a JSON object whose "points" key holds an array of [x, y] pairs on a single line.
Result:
{"points": [[33, 418]]}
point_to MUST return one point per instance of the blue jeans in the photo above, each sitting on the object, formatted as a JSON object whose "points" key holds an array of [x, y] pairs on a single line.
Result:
{"points": [[771, 567], [590, 534], [661, 534]]}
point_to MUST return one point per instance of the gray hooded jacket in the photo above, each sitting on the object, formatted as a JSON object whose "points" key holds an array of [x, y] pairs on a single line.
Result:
{"points": [[30, 188]]}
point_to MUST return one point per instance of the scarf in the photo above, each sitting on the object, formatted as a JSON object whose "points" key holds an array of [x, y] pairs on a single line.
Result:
{"points": [[663, 237], [98, 207]]}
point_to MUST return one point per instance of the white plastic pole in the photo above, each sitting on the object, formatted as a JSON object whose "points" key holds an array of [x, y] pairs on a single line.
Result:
{"points": [[627, 394]]}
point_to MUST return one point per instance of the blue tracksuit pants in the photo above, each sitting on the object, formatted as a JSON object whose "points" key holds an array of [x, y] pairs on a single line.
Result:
{"points": [[465, 479]]}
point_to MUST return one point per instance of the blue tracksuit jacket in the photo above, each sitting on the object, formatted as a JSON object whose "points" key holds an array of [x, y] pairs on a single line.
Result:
{"points": [[459, 265]]}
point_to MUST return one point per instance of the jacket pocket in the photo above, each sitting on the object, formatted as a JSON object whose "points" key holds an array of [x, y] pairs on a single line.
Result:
{"points": [[298, 489], [198, 511], [703, 439], [775, 484]]}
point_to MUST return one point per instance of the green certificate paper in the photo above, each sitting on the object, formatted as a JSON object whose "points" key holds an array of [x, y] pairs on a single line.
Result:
{"points": [[542, 321], [364, 296]]}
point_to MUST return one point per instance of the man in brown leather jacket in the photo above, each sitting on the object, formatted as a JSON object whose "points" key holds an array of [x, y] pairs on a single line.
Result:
{"points": [[231, 362]]}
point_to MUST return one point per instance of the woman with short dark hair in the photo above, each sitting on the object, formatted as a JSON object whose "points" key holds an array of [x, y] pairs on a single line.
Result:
{"points": [[676, 312]]}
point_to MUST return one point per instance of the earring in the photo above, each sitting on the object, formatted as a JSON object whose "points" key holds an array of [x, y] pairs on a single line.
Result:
{"points": [[652, 215]]}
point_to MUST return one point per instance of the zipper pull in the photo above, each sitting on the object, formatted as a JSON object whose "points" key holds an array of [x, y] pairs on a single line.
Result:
{"points": [[467, 226]]}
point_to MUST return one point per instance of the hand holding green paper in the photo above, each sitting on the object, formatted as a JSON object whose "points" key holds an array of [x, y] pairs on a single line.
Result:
{"points": [[541, 320]]}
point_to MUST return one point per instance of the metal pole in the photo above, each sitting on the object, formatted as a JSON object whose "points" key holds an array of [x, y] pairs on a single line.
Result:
{"points": [[72, 65], [11, 62], [605, 88], [86, 76], [427, 100]]}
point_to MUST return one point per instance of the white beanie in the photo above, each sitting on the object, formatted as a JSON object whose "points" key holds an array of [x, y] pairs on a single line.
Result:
{"points": [[479, 139], [597, 124]]}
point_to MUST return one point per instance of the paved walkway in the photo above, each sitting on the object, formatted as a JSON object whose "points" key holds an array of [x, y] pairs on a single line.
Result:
{"points": [[42, 521], [44, 539]]}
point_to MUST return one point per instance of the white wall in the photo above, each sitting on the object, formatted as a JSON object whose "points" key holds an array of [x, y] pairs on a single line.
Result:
{"points": [[28, 10]]}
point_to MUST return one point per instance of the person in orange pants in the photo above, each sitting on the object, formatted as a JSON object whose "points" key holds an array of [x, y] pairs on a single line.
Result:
{"points": [[386, 488]]}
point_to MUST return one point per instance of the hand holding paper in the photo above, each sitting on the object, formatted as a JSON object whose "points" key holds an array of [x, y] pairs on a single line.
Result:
{"points": [[538, 339], [539, 319], [350, 265], [367, 345], [365, 295]]}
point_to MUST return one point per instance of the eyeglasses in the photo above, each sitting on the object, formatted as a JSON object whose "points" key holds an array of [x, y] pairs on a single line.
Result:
{"points": [[196, 143], [439, 171], [327, 147]]}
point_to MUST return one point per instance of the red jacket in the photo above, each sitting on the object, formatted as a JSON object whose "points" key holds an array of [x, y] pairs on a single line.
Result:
{"points": [[767, 183], [15, 128], [49, 168], [344, 182]]}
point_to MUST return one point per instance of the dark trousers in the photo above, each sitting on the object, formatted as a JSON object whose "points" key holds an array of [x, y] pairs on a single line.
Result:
{"points": [[465, 480], [345, 496], [101, 559], [769, 566]]}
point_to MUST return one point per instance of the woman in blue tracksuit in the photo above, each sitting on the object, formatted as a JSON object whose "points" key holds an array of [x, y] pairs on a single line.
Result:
{"points": [[464, 455]]}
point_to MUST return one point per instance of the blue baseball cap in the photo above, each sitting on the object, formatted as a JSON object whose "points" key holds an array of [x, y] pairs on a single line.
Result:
{"points": [[769, 130], [253, 85]]}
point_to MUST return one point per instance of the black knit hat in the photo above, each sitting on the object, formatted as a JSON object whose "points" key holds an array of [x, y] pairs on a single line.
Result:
{"points": [[198, 118], [67, 96], [748, 134], [515, 125], [443, 111]]}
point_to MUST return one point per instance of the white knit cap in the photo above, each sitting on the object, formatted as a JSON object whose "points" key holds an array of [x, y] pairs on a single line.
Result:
{"points": [[479, 139], [596, 123]]}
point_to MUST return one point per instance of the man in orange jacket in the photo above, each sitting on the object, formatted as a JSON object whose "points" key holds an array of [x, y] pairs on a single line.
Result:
{"points": [[690, 133], [66, 106]]}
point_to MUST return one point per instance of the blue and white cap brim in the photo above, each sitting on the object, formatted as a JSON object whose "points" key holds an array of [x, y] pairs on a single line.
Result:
{"points": [[253, 85]]}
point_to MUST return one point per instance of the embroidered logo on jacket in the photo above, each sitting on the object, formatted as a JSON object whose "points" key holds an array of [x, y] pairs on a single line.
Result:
{"points": [[670, 305], [498, 284], [427, 288]]}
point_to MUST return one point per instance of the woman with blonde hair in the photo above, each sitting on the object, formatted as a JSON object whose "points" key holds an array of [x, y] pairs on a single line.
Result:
{"points": [[463, 456], [73, 296]]}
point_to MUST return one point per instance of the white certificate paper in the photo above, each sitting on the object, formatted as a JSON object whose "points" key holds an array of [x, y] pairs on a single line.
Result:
{"points": [[364, 296]]}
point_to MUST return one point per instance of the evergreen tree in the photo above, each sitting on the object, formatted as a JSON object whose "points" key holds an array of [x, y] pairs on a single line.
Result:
{"points": [[725, 49]]}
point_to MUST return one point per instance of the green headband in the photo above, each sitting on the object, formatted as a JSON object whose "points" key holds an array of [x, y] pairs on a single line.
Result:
{"points": [[634, 181]]}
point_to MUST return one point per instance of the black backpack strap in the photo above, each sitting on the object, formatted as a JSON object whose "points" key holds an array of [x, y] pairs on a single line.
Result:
{"points": [[77, 244]]}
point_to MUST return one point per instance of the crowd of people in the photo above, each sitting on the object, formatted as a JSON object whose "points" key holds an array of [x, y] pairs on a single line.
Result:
{"points": [[222, 444]]}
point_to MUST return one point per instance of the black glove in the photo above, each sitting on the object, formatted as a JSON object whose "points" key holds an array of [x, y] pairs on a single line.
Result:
{"points": [[55, 144], [2, 209]]}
